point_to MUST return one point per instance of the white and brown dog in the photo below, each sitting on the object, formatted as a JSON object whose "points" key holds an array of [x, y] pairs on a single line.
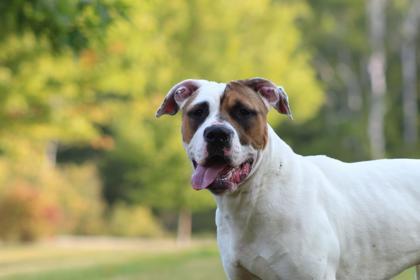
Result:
{"points": [[285, 216]]}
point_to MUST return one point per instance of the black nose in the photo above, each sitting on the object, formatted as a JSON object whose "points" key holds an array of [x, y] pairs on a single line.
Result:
{"points": [[218, 135]]}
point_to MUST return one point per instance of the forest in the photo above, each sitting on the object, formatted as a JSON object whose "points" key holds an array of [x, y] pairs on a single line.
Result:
{"points": [[81, 152]]}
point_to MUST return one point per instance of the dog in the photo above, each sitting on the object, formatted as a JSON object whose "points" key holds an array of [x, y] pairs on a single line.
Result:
{"points": [[281, 215]]}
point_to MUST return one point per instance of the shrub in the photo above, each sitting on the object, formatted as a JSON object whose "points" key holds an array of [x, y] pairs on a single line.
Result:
{"points": [[133, 221], [39, 202], [80, 199], [25, 215]]}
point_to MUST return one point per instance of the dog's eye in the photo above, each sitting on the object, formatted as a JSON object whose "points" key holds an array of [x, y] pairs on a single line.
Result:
{"points": [[199, 113], [243, 113], [196, 113]]}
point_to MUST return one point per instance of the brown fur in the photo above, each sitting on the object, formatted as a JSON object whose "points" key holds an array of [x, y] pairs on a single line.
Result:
{"points": [[256, 133], [188, 128]]}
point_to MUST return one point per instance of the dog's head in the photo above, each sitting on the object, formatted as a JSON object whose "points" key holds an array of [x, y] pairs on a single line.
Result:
{"points": [[224, 127]]}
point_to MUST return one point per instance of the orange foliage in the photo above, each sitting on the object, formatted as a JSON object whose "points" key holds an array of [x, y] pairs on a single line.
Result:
{"points": [[25, 215]]}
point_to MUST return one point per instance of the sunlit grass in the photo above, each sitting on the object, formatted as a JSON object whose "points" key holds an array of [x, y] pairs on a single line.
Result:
{"points": [[116, 259], [112, 259], [196, 264], [409, 274]]}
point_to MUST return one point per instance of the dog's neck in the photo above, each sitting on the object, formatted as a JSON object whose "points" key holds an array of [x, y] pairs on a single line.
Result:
{"points": [[277, 157]]}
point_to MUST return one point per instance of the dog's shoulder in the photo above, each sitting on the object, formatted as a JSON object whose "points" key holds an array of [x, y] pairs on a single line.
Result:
{"points": [[324, 161]]}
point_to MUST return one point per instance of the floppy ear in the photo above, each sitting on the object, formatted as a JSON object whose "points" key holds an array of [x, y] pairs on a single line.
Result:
{"points": [[176, 96], [271, 94]]}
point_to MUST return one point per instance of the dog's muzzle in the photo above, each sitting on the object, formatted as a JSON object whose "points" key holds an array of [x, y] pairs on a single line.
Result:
{"points": [[218, 139]]}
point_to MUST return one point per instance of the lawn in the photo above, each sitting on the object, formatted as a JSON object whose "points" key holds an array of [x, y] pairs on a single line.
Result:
{"points": [[104, 258], [111, 259]]}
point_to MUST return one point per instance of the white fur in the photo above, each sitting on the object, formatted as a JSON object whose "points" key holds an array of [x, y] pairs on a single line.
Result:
{"points": [[319, 218], [313, 217]]}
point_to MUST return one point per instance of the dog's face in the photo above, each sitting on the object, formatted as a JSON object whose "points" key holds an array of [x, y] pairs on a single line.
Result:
{"points": [[224, 127]]}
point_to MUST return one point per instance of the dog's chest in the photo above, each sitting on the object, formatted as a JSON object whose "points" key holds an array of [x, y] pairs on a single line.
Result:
{"points": [[246, 251], [235, 249], [259, 241]]}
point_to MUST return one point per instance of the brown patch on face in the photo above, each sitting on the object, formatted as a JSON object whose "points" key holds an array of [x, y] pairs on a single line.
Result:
{"points": [[246, 111], [192, 118]]}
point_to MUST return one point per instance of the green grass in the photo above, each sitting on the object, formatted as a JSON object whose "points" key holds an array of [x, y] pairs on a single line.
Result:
{"points": [[113, 259], [409, 274], [198, 261], [189, 265]]}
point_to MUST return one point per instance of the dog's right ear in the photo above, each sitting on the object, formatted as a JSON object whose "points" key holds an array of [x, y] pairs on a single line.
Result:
{"points": [[176, 96]]}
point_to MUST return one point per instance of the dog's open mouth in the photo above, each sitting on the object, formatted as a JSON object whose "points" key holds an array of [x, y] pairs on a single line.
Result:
{"points": [[218, 175]]}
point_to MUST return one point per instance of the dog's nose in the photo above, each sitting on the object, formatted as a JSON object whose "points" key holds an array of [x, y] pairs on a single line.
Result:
{"points": [[218, 135]]}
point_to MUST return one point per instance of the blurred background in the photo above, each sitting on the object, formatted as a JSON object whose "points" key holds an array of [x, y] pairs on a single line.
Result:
{"points": [[92, 186]]}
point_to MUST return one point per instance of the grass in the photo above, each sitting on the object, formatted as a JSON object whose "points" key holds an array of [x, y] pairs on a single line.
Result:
{"points": [[94, 259], [188, 265], [111, 260], [409, 274]]}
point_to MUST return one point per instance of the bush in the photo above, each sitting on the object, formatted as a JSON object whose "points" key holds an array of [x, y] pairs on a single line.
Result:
{"points": [[25, 215], [81, 200], [37, 202], [134, 221]]}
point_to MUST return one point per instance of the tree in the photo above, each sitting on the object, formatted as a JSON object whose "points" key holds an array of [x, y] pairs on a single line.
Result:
{"points": [[100, 77], [376, 69], [341, 55], [46, 98], [63, 24], [203, 39], [409, 71], [48, 36]]}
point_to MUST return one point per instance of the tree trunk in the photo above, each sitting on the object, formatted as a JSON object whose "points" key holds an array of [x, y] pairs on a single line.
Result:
{"points": [[51, 154], [409, 72], [376, 68], [184, 226], [408, 60], [350, 79]]}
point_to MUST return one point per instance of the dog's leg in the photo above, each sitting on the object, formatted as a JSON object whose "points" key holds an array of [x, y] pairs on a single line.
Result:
{"points": [[238, 272]]}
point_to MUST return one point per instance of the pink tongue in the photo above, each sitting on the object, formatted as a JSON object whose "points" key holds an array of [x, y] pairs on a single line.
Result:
{"points": [[204, 176]]}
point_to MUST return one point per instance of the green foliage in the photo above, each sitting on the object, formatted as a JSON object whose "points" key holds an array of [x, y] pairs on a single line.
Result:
{"points": [[314, 137], [218, 40], [80, 200], [90, 75], [134, 221], [148, 166], [340, 48], [64, 23], [47, 95]]}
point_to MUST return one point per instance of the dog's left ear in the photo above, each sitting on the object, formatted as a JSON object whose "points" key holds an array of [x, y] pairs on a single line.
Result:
{"points": [[271, 94], [176, 97]]}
